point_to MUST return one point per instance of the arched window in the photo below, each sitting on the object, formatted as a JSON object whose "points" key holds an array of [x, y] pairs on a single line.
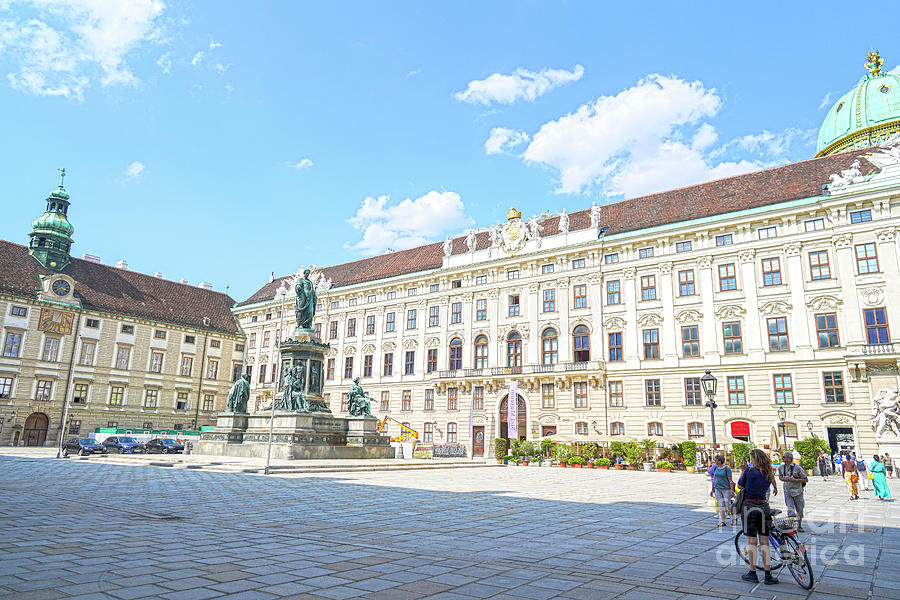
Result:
{"points": [[513, 349], [581, 428], [581, 343], [549, 347], [654, 428], [617, 428], [481, 352], [695, 430], [455, 354]]}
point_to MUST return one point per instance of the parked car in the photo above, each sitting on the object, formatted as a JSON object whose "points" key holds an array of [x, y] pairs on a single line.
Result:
{"points": [[163, 446], [82, 446], [122, 444]]}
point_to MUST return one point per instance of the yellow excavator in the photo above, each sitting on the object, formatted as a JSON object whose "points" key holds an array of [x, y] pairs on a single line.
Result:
{"points": [[407, 434]]}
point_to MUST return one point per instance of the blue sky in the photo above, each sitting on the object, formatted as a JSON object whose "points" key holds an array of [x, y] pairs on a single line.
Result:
{"points": [[221, 141]]}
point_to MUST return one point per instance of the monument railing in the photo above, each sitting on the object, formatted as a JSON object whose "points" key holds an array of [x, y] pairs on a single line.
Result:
{"points": [[878, 349]]}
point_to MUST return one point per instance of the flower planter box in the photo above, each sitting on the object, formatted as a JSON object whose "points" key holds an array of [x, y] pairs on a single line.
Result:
{"points": [[601, 466], [524, 463], [588, 465], [563, 465], [619, 467], [664, 470], [576, 466]]}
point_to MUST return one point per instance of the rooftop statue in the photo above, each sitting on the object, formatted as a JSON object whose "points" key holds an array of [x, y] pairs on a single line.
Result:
{"points": [[305, 305], [448, 246], [470, 240], [239, 395], [358, 402], [563, 222], [595, 215]]}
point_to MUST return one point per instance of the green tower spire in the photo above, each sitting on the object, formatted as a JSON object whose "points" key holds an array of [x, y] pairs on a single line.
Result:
{"points": [[51, 233]]}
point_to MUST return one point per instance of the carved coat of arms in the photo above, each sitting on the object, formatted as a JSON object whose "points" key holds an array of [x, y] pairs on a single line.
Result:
{"points": [[513, 233]]}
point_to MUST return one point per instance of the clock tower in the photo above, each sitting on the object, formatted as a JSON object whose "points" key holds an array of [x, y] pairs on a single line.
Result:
{"points": [[51, 233]]}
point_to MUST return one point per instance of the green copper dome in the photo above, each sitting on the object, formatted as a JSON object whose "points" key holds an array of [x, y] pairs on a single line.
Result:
{"points": [[51, 233], [52, 222], [866, 115]]}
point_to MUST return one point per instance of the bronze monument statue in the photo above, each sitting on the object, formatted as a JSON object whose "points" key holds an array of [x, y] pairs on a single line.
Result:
{"points": [[305, 305], [358, 402], [239, 395]]}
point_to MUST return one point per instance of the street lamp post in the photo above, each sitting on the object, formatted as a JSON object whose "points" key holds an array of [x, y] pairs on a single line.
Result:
{"points": [[281, 294], [709, 383], [782, 415], [809, 425]]}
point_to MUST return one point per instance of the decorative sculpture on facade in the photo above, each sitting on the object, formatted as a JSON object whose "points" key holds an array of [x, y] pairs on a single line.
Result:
{"points": [[494, 235], [305, 304], [448, 246], [889, 153], [359, 404], [886, 412], [595, 215], [563, 222], [470, 240], [847, 177], [239, 395]]}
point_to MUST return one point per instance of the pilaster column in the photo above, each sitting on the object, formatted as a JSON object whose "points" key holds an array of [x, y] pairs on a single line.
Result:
{"points": [[562, 305], [631, 341], [753, 322], [709, 333], [887, 262], [669, 328], [797, 283], [531, 343], [845, 270]]}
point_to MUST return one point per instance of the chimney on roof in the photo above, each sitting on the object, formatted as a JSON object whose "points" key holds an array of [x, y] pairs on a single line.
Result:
{"points": [[158, 274], [272, 277], [122, 265], [205, 285], [183, 280], [91, 258]]}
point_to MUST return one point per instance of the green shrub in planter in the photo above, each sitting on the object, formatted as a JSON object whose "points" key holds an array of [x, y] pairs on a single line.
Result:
{"points": [[809, 450], [689, 453], [663, 464], [562, 452], [526, 448], [648, 446], [633, 453], [547, 447], [499, 448], [617, 449], [590, 450], [603, 462], [576, 460], [741, 451]]}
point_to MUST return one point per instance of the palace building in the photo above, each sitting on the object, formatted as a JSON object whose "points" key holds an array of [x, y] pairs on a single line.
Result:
{"points": [[122, 349], [602, 321]]}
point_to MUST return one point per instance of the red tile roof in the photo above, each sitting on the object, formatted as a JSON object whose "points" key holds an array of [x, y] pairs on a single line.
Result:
{"points": [[761, 188], [118, 291]]}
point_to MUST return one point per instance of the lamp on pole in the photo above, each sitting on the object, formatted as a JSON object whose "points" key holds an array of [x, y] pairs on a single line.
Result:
{"points": [[281, 294], [709, 383], [809, 425], [782, 415]]}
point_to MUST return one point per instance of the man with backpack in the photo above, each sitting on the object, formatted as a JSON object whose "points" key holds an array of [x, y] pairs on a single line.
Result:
{"points": [[794, 478]]}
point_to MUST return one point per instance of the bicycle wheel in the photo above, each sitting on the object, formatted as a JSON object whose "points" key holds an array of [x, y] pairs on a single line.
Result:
{"points": [[742, 547], [798, 564]]}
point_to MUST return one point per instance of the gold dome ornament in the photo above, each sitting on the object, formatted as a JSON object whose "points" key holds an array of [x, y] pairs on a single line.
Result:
{"points": [[513, 214], [874, 63]]}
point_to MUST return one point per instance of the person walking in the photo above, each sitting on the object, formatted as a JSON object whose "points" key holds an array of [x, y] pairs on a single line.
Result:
{"points": [[879, 479], [723, 488], [794, 478], [823, 465], [889, 464], [862, 471], [836, 460], [756, 513], [851, 476]]}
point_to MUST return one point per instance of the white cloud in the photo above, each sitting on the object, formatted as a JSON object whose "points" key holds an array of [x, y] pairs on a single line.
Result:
{"points": [[523, 84], [407, 224], [705, 137], [135, 169], [772, 145], [826, 101], [59, 48], [503, 140], [222, 68], [164, 62], [198, 58], [415, 72], [304, 163], [214, 44]]}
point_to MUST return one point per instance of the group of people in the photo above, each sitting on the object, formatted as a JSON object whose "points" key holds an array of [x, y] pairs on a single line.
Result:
{"points": [[854, 470]]}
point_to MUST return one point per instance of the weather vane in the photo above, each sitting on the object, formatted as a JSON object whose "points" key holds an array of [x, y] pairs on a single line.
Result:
{"points": [[62, 176], [874, 62]]}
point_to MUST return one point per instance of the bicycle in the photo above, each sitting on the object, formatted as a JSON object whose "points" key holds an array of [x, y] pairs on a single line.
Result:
{"points": [[786, 550]]}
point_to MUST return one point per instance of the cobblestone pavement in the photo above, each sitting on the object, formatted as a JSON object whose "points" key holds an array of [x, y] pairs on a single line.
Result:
{"points": [[88, 530]]}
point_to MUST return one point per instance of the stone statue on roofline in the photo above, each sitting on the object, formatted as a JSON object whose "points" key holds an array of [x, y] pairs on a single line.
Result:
{"points": [[448, 246], [595, 215], [470, 240], [563, 222]]}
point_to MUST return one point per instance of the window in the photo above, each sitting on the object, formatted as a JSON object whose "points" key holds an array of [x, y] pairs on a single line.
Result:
{"points": [[123, 355], [116, 395], [480, 279], [648, 287], [771, 270], [456, 284], [651, 344], [724, 240], [861, 216], [252, 342], [411, 318], [112, 424], [581, 394], [814, 224], [834, 386], [481, 352], [549, 300], [455, 354], [767, 232], [236, 369], [478, 397], [392, 295], [645, 253], [513, 274], [731, 335], [453, 398], [156, 362], [877, 331], [406, 401], [238, 347], [92, 323], [431, 362], [12, 344], [866, 258], [513, 349], [613, 292], [344, 400], [218, 344], [653, 392], [329, 370], [44, 390], [87, 353], [434, 316], [368, 359], [617, 428], [151, 398], [80, 393], [187, 365], [390, 322], [253, 318], [615, 346], [51, 349], [654, 428], [546, 269], [818, 265], [514, 305], [18, 311], [212, 369], [129, 329], [690, 341], [371, 299], [181, 401], [692, 395], [160, 334], [388, 369], [456, 312], [790, 432], [385, 401], [335, 304], [429, 400], [189, 339], [332, 330], [352, 301], [434, 288], [147, 425], [348, 367], [549, 347], [262, 372], [695, 430], [827, 330], [409, 363], [581, 428], [428, 433], [686, 283], [784, 390], [578, 263], [481, 310], [6, 387], [579, 299], [351, 327], [267, 339], [736, 389], [75, 426], [611, 258], [683, 246], [548, 395], [370, 324], [209, 402], [581, 344], [451, 433], [727, 278], [616, 390], [778, 336]]}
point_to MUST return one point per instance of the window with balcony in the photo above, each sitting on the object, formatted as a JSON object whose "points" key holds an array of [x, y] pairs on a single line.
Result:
{"points": [[388, 364], [784, 388], [771, 271], [616, 391], [778, 334], [580, 392], [876, 323], [613, 292], [481, 309], [653, 392], [692, 395], [514, 305], [615, 346], [651, 344], [513, 349], [434, 316], [456, 354], [548, 396], [736, 392], [579, 296], [827, 330], [727, 278], [818, 265], [834, 386], [581, 343], [648, 287], [549, 304], [481, 352], [686, 283], [549, 347], [690, 341], [866, 258]]}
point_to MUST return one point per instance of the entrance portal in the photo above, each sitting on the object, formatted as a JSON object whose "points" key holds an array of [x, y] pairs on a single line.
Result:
{"points": [[841, 439], [478, 440], [522, 421], [35, 433]]}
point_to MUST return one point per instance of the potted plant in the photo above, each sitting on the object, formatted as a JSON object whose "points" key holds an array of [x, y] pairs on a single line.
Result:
{"points": [[617, 449], [576, 461], [633, 454], [648, 445], [602, 463], [562, 452], [589, 463], [664, 466], [500, 450], [536, 461], [689, 455], [547, 448], [526, 450]]}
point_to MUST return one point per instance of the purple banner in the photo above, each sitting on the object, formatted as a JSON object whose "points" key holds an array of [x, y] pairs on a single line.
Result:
{"points": [[512, 412]]}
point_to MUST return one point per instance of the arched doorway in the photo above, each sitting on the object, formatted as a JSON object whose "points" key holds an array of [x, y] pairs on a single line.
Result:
{"points": [[36, 426], [504, 417]]}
